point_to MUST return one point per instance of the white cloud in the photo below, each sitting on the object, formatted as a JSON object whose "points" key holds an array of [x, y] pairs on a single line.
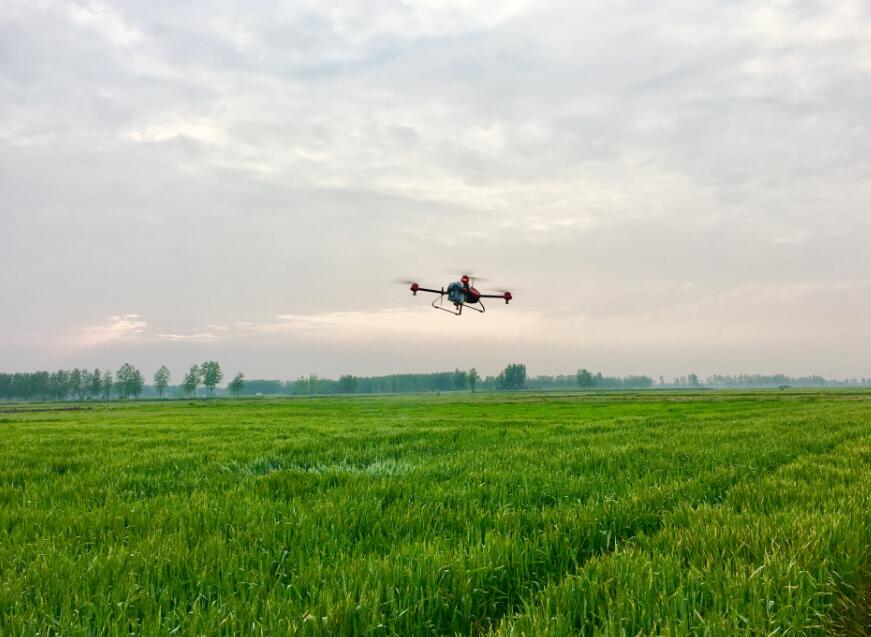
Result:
{"points": [[194, 336], [203, 131], [417, 321], [795, 238], [104, 21], [119, 327]]}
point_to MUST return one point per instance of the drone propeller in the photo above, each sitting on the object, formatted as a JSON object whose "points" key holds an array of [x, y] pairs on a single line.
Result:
{"points": [[505, 294], [468, 272]]}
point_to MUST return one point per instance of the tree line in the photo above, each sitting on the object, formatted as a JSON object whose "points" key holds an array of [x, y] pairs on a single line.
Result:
{"points": [[75, 383], [126, 382], [781, 380], [458, 380], [513, 377], [129, 382], [209, 374]]}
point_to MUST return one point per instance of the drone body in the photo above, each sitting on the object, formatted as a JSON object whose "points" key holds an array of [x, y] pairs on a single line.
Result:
{"points": [[462, 294]]}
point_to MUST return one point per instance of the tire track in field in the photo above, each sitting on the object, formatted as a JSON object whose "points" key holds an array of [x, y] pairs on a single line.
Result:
{"points": [[484, 583], [505, 593], [854, 621]]}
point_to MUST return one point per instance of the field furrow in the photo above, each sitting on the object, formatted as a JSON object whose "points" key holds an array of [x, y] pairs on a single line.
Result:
{"points": [[779, 555]]}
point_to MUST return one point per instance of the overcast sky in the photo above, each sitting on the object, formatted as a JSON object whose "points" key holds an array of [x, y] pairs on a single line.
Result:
{"points": [[668, 187]]}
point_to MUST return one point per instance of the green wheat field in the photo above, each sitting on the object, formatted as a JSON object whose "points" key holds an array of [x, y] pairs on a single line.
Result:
{"points": [[708, 513]]}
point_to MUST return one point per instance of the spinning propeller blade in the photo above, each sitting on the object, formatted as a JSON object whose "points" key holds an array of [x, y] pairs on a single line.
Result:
{"points": [[469, 273]]}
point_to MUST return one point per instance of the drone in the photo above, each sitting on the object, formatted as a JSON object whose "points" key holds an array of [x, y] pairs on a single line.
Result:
{"points": [[462, 294]]}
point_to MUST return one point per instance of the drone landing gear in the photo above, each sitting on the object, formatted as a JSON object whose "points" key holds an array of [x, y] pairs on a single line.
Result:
{"points": [[458, 308]]}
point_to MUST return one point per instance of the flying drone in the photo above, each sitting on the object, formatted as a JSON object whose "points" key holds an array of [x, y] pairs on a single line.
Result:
{"points": [[462, 294]]}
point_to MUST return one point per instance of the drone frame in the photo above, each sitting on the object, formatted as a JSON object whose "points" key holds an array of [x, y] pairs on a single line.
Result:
{"points": [[438, 303], [459, 306]]}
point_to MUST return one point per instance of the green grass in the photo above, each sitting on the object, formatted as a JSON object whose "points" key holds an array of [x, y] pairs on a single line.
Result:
{"points": [[597, 514]]}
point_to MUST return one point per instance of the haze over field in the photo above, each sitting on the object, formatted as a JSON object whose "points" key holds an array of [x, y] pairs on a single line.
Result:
{"points": [[665, 187]]}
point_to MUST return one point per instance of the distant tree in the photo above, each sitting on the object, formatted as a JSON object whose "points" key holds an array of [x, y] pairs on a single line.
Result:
{"points": [[85, 384], [637, 382], [461, 379], [519, 376], [161, 380], [235, 386], [266, 387], [585, 379], [347, 384], [95, 384], [106, 385], [59, 384], [38, 385], [75, 382], [192, 380], [212, 375], [314, 384], [693, 380], [129, 381], [135, 382], [473, 378], [300, 386], [512, 377]]}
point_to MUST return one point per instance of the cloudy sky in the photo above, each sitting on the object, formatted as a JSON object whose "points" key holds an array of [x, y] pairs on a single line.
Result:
{"points": [[670, 187]]}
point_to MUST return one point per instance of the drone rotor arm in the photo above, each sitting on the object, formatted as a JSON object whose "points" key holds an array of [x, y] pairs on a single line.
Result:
{"points": [[505, 295], [415, 288]]}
